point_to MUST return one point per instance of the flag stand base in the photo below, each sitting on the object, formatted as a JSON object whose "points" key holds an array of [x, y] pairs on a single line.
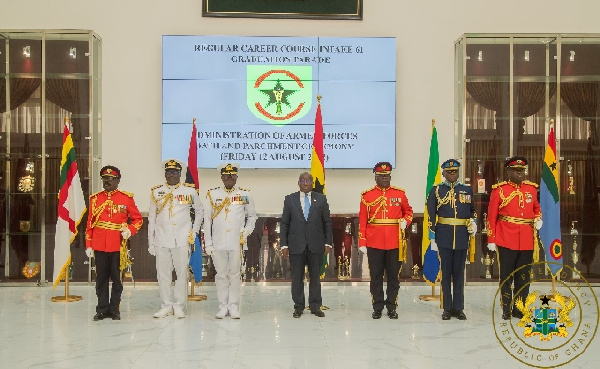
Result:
{"points": [[69, 298], [66, 297], [192, 296], [432, 297]]}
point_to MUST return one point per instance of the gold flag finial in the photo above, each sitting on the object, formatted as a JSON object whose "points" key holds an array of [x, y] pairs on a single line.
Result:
{"points": [[319, 99], [194, 122], [432, 123]]}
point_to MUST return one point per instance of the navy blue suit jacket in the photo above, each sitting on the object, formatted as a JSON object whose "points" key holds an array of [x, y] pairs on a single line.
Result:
{"points": [[296, 233]]}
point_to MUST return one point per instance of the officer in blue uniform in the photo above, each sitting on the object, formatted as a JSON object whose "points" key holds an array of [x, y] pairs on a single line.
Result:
{"points": [[452, 220]]}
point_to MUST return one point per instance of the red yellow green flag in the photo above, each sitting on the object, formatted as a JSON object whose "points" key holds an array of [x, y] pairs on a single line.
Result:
{"points": [[71, 208]]}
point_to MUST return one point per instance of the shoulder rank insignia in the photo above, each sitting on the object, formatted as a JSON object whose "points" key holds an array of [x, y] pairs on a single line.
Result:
{"points": [[398, 188], [531, 183], [130, 194], [499, 184], [365, 191]]}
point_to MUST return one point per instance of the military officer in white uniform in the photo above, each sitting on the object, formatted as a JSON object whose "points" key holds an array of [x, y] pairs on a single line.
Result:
{"points": [[170, 232], [228, 220]]}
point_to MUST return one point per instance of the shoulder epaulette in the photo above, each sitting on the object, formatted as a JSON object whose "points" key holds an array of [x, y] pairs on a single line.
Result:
{"points": [[499, 184], [130, 194], [531, 183], [96, 194], [244, 189], [365, 191], [398, 188], [190, 185], [155, 187]]}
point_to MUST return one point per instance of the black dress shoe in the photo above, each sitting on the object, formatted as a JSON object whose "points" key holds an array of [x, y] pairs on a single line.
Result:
{"points": [[517, 314], [116, 316], [392, 314], [297, 313], [460, 315], [506, 316], [101, 316], [376, 314], [446, 315], [318, 313]]}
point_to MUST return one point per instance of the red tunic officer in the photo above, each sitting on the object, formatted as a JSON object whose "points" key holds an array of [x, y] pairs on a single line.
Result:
{"points": [[112, 216], [384, 215], [513, 213]]}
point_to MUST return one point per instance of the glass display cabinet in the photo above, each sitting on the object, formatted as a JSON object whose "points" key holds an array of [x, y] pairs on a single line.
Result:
{"points": [[509, 89], [46, 78]]}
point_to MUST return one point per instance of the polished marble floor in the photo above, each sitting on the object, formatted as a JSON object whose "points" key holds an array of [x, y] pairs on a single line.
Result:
{"points": [[37, 333]]}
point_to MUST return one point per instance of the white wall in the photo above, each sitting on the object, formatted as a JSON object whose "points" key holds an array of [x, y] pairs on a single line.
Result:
{"points": [[131, 33]]}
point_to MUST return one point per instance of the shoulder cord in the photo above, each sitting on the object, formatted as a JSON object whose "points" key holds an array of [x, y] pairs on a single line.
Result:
{"points": [[381, 201], [217, 209], [506, 200], [449, 198], [168, 198], [96, 211]]}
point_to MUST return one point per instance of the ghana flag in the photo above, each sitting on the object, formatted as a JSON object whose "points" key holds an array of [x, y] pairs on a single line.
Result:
{"points": [[317, 166]]}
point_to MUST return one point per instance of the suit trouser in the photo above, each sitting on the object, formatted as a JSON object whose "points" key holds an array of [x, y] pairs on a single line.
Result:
{"points": [[453, 278], [380, 260], [297, 263], [107, 267], [510, 261], [228, 281], [168, 259]]}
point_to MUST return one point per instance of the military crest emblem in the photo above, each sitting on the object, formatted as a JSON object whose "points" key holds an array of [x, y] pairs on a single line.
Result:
{"points": [[279, 94]]}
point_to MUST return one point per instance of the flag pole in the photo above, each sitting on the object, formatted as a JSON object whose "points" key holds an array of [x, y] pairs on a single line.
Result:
{"points": [[192, 296], [66, 297], [433, 296]]}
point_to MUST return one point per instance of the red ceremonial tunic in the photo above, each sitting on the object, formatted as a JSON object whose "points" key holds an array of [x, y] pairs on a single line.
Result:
{"points": [[511, 212], [376, 206], [107, 214]]}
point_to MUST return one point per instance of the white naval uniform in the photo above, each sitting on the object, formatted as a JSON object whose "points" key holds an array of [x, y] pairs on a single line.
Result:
{"points": [[169, 225], [234, 220]]}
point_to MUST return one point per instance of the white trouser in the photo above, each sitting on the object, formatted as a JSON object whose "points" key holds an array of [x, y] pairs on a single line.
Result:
{"points": [[166, 260], [228, 281]]}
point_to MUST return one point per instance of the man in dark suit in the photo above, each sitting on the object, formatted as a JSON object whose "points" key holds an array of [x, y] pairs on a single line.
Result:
{"points": [[306, 235]]}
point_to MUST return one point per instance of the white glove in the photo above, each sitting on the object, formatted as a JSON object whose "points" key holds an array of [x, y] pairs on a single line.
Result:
{"points": [[152, 250], [491, 246], [363, 249], [89, 252], [434, 246], [245, 247], [209, 250], [403, 223], [126, 233], [537, 223], [472, 228]]}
